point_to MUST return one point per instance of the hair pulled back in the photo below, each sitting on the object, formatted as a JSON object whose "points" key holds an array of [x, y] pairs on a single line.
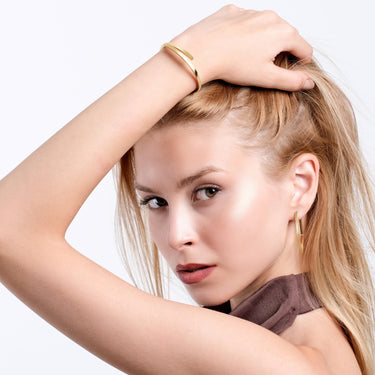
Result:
{"points": [[283, 125]]}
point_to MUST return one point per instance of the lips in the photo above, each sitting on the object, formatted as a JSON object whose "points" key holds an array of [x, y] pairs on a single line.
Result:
{"points": [[193, 272]]}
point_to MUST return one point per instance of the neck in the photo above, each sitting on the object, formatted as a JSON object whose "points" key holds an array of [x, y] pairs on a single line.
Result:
{"points": [[288, 262]]}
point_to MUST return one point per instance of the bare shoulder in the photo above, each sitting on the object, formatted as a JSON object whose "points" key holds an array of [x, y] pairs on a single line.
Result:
{"points": [[319, 331]]}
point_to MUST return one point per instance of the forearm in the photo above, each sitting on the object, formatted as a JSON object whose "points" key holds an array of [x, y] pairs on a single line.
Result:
{"points": [[143, 334], [45, 192], [128, 328]]}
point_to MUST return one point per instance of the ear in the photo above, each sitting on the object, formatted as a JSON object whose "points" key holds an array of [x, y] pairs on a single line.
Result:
{"points": [[304, 175]]}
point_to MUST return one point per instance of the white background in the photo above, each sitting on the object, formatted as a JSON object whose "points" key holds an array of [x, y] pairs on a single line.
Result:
{"points": [[56, 57]]}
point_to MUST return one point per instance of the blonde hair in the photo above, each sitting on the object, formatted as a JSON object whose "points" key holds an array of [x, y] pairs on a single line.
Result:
{"points": [[284, 125]]}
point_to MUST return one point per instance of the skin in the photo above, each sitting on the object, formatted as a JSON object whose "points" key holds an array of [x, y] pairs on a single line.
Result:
{"points": [[245, 229], [96, 309]]}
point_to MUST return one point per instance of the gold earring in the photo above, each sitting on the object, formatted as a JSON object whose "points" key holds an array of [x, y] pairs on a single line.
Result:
{"points": [[299, 232]]}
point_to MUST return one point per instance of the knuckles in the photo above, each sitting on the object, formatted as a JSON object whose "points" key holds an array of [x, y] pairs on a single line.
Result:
{"points": [[289, 31], [230, 8], [270, 16]]}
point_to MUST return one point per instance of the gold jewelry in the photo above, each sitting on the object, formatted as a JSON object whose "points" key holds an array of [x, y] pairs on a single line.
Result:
{"points": [[299, 232], [187, 57]]}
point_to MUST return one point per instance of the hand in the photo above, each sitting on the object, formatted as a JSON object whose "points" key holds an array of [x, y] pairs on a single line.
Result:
{"points": [[239, 46]]}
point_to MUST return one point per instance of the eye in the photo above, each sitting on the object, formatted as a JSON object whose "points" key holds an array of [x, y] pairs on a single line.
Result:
{"points": [[206, 193], [153, 202]]}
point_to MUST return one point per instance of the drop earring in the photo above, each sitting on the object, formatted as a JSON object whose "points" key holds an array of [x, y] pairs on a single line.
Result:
{"points": [[299, 232]]}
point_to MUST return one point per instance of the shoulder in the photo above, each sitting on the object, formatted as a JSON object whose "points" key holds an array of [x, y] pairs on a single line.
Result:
{"points": [[321, 338]]}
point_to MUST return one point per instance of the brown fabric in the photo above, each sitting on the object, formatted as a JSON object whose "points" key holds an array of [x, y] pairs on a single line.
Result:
{"points": [[276, 304]]}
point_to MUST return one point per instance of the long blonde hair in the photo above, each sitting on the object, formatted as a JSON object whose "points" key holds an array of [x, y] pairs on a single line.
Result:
{"points": [[339, 225]]}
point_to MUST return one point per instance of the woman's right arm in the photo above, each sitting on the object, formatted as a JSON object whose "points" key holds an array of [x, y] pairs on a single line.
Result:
{"points": [[42, 195]]}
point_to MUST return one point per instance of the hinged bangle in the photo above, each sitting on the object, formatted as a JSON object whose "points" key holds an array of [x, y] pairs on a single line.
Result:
{"points": [[187, 57]]}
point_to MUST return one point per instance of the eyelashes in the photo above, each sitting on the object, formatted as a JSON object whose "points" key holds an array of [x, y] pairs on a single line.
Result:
{"points": [[207, 192], [201, 194], [153, 202]]}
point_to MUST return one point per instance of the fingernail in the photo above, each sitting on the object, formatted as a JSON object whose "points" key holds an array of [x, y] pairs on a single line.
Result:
{"points": [[309, 84]]}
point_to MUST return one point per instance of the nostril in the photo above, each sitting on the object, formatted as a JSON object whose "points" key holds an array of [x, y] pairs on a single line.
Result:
{"points": [[188, 243]]}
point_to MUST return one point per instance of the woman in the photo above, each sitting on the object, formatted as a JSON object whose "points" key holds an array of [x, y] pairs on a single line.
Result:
{"points": [[93, 307]]}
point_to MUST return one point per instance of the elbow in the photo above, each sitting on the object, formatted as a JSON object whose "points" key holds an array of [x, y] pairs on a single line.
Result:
{"points": [[15, 233], [314, 360], [9, 237]]}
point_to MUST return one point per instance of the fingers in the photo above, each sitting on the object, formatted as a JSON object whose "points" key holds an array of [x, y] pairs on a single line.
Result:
{"points": [[288, 80], [288, 36], [289, 40], [298, 46], [224, 43]]}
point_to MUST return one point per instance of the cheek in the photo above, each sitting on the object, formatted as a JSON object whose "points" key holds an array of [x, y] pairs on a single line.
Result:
{"points": [[253, 226], [155, 226], [158, 231]]}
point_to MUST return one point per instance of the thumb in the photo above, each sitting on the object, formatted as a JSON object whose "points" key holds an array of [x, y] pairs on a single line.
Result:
{"points": [[288, 80]]}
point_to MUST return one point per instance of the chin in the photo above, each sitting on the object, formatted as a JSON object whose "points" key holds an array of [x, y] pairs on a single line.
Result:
{"points": [[209, 299]]}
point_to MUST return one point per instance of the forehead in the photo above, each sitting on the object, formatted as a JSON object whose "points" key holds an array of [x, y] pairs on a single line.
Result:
{"points": [[178, 150]]}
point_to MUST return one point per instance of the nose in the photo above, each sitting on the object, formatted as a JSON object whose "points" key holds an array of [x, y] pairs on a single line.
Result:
{"points": [[182, 231]]}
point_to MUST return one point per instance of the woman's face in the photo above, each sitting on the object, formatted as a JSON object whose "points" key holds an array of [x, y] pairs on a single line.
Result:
{"points": [[219, 221]]}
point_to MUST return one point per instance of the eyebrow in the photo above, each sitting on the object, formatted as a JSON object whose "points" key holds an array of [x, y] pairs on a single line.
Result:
{"points": [[187, 180]]}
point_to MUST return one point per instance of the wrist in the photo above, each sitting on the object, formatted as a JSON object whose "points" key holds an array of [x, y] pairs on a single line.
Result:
{"points": [[173, 73], [187, 58], [200, 61]]}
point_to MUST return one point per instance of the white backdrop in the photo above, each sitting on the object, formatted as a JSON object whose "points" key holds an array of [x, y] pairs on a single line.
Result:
{"points": [[59, 56]]}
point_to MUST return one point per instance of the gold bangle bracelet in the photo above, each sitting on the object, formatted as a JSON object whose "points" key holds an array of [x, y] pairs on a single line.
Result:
{"points": [[187, 57]]}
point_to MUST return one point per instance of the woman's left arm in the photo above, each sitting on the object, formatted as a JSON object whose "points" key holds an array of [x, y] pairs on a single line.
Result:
{"points": [[142, 334], [128, 328]]}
